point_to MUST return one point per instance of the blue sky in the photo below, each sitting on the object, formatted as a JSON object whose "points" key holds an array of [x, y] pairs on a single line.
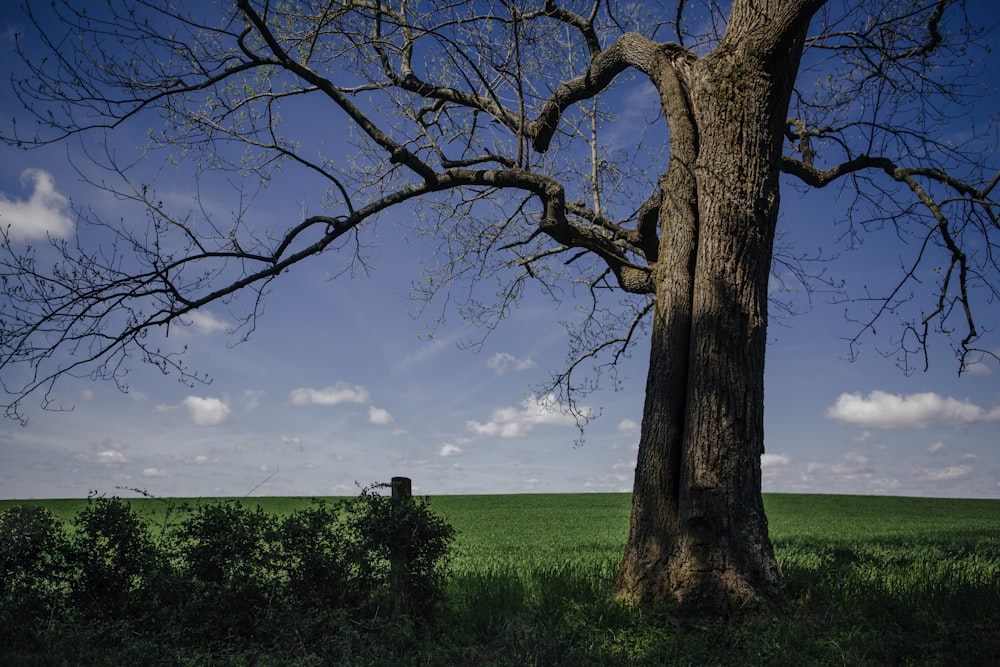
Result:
{"points": [[338, 384]]}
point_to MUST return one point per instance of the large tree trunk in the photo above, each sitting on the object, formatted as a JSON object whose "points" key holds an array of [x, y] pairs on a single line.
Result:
{"points": [[698, 532]]}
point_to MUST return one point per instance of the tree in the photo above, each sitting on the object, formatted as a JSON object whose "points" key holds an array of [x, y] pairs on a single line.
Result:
{"points": [[488, 117]]}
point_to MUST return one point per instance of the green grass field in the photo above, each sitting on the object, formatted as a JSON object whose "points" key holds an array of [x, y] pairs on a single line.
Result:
{"points": [[871, 580], [529, 530]]}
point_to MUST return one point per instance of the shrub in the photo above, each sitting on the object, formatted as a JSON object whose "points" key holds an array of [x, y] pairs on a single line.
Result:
{"points": [[114, 559], [33, 571], [222, 580], [226, 552], [399, 550], [312, 545]]}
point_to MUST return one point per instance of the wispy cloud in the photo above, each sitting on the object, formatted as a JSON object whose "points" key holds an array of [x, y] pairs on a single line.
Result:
{"points": [[44, 213], [893, 411], [292, 443], [854, 472], [945, 474], [426, 351], [205, 322], [628, 427], [852, 464], [11, 32], [504, 362], [251, 399]]}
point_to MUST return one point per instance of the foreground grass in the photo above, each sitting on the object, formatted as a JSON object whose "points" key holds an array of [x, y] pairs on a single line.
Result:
{"points": [[871, 581]]}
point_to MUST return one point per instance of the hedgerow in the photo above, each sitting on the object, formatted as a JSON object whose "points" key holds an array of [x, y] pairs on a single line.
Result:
{"points": [[223, 575]]}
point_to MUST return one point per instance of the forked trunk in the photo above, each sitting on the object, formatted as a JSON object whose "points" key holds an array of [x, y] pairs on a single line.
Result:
{"points": [[698, 532]]}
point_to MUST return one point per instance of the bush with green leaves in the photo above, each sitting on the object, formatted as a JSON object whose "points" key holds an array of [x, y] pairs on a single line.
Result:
{"points": [[312, 551], [227, 559], [222, 576], [114, 559], [400, 549], [33, 570]]}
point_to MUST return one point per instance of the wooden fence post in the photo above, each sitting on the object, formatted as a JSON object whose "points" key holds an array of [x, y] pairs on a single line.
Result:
{"points": [[399, 567], [402, 490]]}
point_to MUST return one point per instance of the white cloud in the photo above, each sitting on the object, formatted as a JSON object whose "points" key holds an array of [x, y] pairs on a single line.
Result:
{"points": [[946, 474], [448, 449], [204, 321], [936, 448], [153, 472], [628, 427], [852, 464], [775, 467], [379, 416], [893, 411], [984, 364], [978, 368], [775, 460], [514, 422], [110, 456], [613, 482], [206, 411], [503, 362], [105, 457], [109, 451], [335, 395], [44, 213], [852, 473]]}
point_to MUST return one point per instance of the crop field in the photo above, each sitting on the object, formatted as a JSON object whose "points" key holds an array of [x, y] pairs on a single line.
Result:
{"points": [[870, 580]]}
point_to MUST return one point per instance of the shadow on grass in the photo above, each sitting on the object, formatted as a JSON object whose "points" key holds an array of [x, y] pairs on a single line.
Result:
{"points": [[886, 600], [878, 602]]}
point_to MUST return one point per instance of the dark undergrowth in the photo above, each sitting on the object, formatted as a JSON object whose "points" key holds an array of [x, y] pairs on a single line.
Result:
{"points": [[222, 584]]}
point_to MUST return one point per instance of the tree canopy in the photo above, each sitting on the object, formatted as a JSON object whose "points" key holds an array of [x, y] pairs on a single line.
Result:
{"points": [[462, 102]]}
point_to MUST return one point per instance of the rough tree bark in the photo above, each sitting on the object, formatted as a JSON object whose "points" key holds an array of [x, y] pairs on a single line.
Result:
{"points": [[698, 531]]}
